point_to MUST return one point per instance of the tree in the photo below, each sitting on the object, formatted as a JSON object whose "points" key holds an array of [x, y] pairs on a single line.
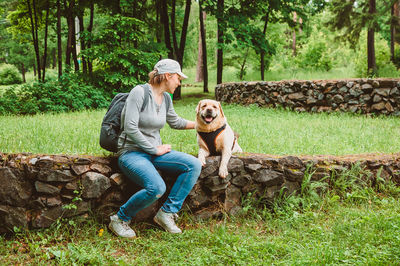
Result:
{"points": [[220, 39], [59, 44], [70, 11], [31, 16], [371, 40], [203, 49], [286, 11], [394, 25], [175, 50], [352, 16], [124, 53], [15, 49]]}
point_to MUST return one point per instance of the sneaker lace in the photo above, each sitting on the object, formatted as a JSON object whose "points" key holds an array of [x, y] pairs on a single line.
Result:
{"points": [[175, 216], [125, 225]]}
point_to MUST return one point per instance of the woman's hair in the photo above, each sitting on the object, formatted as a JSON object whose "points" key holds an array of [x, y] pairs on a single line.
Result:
{"points": [[156, 78]]}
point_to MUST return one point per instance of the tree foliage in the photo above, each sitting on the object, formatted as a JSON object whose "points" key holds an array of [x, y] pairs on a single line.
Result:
{"points": [[123, 54], [120, 41]]}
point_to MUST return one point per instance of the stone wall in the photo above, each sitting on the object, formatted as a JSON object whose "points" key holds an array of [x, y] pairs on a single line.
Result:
{"points": [[36, 190], [381, 96]]}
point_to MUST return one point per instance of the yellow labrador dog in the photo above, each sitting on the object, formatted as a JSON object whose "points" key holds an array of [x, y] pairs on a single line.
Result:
{"points": [[214, 135]]}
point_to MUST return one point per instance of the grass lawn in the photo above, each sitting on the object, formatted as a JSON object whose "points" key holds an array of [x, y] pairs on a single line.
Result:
{"points": [[262, 130], [334, 230], [350, 234]]}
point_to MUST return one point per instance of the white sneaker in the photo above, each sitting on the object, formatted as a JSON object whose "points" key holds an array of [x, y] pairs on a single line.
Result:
{"points": [[120, 228], [167, 221]]}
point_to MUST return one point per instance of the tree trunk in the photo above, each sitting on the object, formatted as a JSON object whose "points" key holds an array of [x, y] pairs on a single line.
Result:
{"points": [[158, 20], [34, 33], [83, 44], [173, 31], [220, 34], [185, 24], [371, 42], [165, 22], [59, 44], [45, 40], [23, 73], [243, 65], [294, 34], [69, 40], [392, 21], [180, 52], [54, 58], [90, 28], [204, 50], [199, 65], [74, 52], [262, 54]]}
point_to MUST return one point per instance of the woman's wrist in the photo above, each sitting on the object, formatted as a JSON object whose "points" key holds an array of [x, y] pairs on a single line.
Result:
{"points": [[190, 125]]}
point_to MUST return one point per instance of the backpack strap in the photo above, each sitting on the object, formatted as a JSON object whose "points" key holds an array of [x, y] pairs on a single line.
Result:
{"points": [[146, 89]]}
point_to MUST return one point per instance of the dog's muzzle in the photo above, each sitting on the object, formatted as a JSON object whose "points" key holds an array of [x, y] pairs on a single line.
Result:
{"points": [[208, 117]]}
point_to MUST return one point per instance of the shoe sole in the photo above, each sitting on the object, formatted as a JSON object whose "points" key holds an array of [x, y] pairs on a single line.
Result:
{"points": [[115, 233]]}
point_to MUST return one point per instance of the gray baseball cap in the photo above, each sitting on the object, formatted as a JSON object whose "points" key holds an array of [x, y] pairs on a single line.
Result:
{"points": [[169, 66]]}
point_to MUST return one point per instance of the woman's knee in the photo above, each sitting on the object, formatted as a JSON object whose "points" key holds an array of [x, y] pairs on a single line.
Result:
{"points": [[156, 190], [196, 166]]}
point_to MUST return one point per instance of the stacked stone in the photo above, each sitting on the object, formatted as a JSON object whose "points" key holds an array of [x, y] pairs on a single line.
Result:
{"points": [[36, 190], [380, 96]]}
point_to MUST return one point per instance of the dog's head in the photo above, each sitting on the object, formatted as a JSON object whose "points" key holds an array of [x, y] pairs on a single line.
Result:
{"points": [[209, 112]]}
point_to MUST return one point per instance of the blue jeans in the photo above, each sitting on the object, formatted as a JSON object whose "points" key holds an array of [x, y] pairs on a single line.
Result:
{"points": [[141, 168]]}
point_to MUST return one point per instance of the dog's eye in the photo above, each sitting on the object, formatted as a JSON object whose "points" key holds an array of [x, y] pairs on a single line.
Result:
{"points": [[204, 105]]}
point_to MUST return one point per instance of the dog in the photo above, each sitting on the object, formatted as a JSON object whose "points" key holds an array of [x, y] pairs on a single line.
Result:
{"points": [[214, 135]]}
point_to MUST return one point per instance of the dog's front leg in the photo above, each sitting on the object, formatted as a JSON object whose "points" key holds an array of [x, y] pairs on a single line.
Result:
{"points": [[202, 156], [223, 167]]}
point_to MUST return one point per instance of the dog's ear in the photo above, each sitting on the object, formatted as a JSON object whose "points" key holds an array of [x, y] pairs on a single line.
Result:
{"points": [[220, 109], [198, 107]]}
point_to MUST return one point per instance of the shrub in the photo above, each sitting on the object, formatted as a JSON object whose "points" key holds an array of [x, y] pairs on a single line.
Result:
{"points": [[315, 55], [9, 75], [68, 94]]}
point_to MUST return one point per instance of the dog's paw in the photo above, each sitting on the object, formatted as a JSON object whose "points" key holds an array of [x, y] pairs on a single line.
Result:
{"points": [[223, 171]]}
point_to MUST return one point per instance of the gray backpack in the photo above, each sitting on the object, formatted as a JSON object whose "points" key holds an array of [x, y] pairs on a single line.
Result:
{"points": [[111, 125]]}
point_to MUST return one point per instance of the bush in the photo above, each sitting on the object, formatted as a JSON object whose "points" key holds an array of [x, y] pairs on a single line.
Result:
{"points": [[9, 75], [315, 55], [68, 94]]}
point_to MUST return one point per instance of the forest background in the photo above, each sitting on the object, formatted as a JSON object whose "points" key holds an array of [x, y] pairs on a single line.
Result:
{"points": [[66, 55]]}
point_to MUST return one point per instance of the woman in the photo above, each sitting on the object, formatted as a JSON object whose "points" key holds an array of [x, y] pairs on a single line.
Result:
{"points": [[141, 152]]}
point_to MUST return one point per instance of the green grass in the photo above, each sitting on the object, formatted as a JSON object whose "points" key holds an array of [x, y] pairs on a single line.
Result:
{"points": [[348, 224], [262, 130], [360, 234]]}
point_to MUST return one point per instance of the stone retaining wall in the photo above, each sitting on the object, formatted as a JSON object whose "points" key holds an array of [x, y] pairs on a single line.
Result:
{"points": [[36, 190], [381, 96]]}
